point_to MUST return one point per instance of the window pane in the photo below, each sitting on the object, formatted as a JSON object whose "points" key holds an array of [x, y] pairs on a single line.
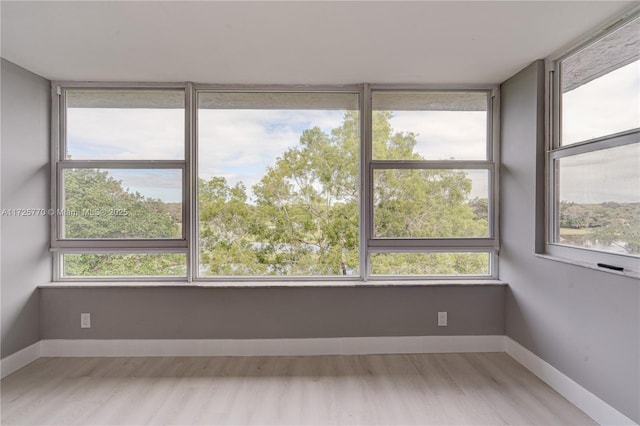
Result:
{"points": [[601, 87], [599, 200], [125, 125], [429, 125], [124, 265], [430, 264], [430, 203], [122, 203], [278, 185]]}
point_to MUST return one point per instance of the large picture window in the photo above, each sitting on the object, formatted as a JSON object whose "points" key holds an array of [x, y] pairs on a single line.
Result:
{"points": [[211, 183], [595, 152], [278, 183]]}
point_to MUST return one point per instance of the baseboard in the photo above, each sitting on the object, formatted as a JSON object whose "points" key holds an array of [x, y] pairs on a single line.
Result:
{"points": [[596, 408], [593, 406], [22, 358], [274, 347]]}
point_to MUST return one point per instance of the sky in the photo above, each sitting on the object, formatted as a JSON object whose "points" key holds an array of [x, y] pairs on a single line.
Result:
{"points": [[596, 177], [607, 105], [239, 144]]}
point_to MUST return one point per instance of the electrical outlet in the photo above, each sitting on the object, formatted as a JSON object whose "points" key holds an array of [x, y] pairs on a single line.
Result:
{"points": [[442, 319], [85, 320]]}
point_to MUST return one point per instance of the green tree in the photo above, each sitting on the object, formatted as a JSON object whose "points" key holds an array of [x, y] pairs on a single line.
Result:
{"points": [[227, 230], [305, 220], [97, 206], [302, 219]]}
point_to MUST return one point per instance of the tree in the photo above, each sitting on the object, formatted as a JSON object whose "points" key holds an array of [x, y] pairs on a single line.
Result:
{"points": [[227, 230], [97, 206], [305, 220], [302, 218]]}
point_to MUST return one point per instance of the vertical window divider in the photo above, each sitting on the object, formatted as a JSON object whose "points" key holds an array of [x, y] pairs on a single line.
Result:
{"points": [[190, 180], [366, 182], [56, 114], [494, 209]]}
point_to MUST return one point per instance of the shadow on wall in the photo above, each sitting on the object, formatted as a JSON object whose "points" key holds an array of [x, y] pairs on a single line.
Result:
{"points": [[14, 324]]}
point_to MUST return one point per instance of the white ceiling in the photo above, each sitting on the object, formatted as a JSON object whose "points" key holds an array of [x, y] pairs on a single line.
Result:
{"points": [[293, 42]]}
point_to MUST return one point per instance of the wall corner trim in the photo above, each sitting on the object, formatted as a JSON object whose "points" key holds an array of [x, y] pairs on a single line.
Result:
{"points": [[22, 358], [579, 396]]}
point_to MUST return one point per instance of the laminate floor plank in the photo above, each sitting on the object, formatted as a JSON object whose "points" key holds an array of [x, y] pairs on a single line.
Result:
{"points": [[413, 389]]}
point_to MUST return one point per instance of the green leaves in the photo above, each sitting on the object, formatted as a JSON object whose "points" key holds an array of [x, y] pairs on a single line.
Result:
{"points": [[301, 218]]}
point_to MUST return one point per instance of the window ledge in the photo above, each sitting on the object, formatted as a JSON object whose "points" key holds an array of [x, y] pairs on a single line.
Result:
{"points": [[590, 265], [270, 284]]}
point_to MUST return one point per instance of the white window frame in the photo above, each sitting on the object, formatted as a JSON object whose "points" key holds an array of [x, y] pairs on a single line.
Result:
{"points": [[590, 258], [368, 244]]}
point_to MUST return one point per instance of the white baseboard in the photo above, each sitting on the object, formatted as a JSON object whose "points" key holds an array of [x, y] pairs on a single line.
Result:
{"points": [[273, 347], [22, 358], [595, 407]]}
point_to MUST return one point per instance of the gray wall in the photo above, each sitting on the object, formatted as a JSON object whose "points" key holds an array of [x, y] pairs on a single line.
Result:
{"points": [[242, 313], [26, 261], [584, 322]]}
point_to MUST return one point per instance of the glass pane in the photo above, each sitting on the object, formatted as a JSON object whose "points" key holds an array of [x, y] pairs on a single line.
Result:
{"points": [[601, 87], [122, 203], [125, 125], [430, 264], [124, 265], [430, 203], [429, 125], [599, 200], [278, 184]]}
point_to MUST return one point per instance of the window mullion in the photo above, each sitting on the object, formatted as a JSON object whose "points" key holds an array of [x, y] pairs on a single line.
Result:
{"points": [[366, 180]]}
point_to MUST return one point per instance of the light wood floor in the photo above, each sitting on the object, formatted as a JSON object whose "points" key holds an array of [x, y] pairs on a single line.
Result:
{"points": [[443, 389]]}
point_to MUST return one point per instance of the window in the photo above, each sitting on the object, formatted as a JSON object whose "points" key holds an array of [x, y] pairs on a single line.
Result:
{"points": [[431, 175], [278, 179], [122, 189], [595, 151], [202, 182]]}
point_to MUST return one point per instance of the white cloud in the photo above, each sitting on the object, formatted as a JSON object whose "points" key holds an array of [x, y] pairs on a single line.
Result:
{"points": [[240, 144], [165, 184], [600, 176], [606, 105], [442, 135], [125, 134]]}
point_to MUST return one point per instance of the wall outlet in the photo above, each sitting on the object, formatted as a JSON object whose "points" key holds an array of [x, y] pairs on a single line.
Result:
{"points": [[442, 319], [85, 320]]}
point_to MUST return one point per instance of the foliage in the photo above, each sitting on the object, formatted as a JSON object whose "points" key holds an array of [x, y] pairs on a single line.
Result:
{"points": [[302, 217], [97, 206], [305, 219], [122, 265], [430, 264], [608, 223]]}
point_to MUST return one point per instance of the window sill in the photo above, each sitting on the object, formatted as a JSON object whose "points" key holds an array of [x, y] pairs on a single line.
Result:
{"points": [[589, 265], [273, 284]]}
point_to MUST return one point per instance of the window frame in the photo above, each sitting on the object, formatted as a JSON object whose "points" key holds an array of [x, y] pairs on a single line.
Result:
{"points": [[489, 244], [555, 150], [61, 246], [223, 88], [368, 244]]}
